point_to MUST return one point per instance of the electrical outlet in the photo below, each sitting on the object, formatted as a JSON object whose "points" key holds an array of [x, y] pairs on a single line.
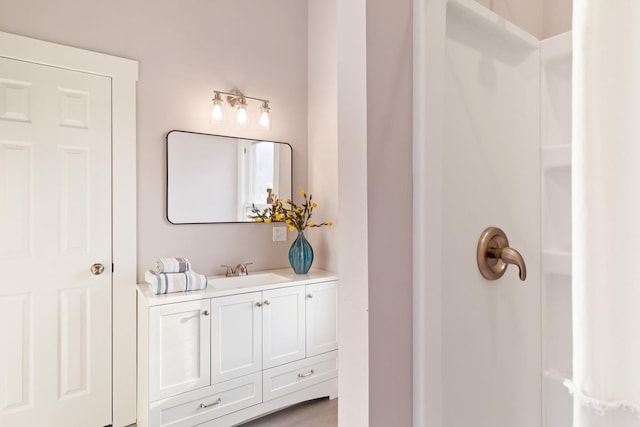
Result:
{"points": [[279, 234]]}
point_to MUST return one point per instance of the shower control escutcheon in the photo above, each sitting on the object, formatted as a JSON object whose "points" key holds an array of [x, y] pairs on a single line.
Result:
{"points": [[494, 255]]}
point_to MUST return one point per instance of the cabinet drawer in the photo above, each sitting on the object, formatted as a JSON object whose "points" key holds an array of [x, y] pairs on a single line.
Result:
{"points": [[298, 375], [221, 399]]}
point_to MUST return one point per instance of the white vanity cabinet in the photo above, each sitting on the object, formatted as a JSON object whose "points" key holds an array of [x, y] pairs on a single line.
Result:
{"points": [[223, 356]]}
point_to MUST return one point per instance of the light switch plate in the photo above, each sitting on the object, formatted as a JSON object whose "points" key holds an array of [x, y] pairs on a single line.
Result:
{"points": [[279, 234]]}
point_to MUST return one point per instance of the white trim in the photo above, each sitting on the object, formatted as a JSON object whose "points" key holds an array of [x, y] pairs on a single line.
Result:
{"points": [[123, 74], [429, 20]]}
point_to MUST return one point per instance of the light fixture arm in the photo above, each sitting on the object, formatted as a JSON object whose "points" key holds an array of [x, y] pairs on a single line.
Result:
{"points": [[236, 96]]}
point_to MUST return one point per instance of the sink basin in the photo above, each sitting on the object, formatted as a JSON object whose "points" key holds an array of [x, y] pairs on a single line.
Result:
{"points": [[224, 283]]}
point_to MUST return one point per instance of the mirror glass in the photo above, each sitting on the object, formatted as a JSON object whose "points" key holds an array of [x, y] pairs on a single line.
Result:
{"points": [[212, 178]]}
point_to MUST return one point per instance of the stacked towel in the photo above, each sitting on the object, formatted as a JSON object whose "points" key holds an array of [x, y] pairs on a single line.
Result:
{"points": [[163, 283], [173, 265], [174, 275]]}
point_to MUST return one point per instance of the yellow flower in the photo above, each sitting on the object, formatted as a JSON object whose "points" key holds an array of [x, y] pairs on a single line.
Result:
{"points": [[297, 217]]}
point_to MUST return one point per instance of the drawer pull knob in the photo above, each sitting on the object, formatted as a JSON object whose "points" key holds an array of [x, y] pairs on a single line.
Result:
{"points": [[306, 374], [206, 312], [309, 296], [258, 304], [267, 302], [217, 402]]}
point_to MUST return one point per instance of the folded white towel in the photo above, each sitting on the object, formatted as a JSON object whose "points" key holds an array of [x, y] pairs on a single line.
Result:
{"points": [[162, 283], [173, 265]]}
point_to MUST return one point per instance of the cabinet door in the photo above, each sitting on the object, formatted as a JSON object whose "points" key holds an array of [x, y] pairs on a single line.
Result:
{"points": [[236, 336], [179, 346], [284, 326], [322, 320]]}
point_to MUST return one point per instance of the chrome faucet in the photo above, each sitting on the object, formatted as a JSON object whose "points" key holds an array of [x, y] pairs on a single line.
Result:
{"points": [[240, 270]]}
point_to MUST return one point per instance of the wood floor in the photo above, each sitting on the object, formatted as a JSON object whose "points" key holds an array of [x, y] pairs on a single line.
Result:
{"points": [[314, 413]]}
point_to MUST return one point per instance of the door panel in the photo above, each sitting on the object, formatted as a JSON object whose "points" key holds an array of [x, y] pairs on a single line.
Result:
{"points": [[491, 329], [322, 317], [283, 314], [55, 222], [236, 336], [179, 337]]}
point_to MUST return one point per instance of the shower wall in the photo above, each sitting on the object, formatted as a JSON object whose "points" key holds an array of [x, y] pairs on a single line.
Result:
{"points": [[491, 177], [491, 148], [556, 229]]}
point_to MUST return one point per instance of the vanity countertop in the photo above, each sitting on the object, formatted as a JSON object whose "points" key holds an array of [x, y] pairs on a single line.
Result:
{"points": [[279, 278]]}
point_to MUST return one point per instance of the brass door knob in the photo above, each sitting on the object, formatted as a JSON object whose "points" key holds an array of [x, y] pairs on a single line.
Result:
{"points": [[97, 269]]}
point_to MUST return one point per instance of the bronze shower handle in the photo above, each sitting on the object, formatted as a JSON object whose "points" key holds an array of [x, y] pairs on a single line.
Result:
{"points": [[494, 255]]}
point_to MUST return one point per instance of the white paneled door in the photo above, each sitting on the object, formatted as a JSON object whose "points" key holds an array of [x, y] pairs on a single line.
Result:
{"points": [[55, 223]]}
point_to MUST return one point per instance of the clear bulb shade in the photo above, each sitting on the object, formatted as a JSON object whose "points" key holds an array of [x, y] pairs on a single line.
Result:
{"points": [[216, 112], [242, 116], [265, 119], [265, 115]]}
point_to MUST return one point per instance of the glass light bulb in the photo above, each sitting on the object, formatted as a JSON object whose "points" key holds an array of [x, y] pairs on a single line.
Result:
{"points": [[265, 120], [242, 116], [265, 116], [216, 111]]}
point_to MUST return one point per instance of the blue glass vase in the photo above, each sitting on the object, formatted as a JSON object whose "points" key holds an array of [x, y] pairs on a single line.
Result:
{"points": [[301, 255]]}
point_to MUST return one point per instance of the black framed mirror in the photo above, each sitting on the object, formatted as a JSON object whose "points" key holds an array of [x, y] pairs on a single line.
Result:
{"points": [[217, 179]]}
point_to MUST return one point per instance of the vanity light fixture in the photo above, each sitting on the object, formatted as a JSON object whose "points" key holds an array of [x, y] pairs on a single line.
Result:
{"points": [[238, 100]]}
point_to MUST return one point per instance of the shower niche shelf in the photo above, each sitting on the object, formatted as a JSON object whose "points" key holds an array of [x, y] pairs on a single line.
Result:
{"points": [[556, 257]]}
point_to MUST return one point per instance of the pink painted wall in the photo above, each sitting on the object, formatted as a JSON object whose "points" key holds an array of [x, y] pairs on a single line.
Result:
{"points": [[556, 18], [186, 50], [389, 192]]}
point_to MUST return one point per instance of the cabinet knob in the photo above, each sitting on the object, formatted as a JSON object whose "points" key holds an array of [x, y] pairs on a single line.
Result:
{"points": [[309, 296], [206, 312], [267, 302], [258, 304]]}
